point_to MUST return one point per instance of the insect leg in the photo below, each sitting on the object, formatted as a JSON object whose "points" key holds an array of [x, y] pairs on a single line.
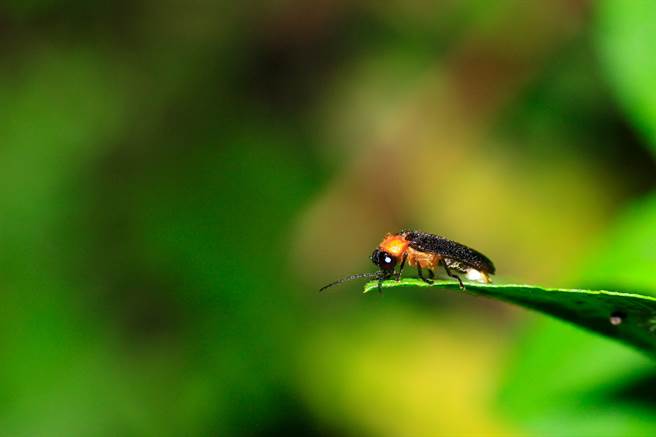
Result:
{"points": [[397, 275], [381, 278], [431, 273], [452, 275], [421, 275]]}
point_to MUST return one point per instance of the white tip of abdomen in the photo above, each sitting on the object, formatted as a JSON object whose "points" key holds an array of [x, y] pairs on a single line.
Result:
{"points": [[478, 276]]}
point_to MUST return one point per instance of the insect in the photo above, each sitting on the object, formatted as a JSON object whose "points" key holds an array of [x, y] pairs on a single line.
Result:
{"points": [[426, 252]]}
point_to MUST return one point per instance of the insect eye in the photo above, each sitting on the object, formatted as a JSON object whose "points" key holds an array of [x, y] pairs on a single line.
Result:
{"points": [[384, 260], [374, 256]]}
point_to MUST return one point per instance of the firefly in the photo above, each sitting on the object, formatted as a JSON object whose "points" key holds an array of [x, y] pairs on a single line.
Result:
{"points": [[426, 252]]}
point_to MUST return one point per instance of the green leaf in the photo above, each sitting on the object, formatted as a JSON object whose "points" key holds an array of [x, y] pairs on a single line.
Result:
{"points": [[573, 373], [634, 315]]}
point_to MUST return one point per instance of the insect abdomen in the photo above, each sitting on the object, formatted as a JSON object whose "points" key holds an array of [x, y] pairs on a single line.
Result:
{"points": [[449, 249]]}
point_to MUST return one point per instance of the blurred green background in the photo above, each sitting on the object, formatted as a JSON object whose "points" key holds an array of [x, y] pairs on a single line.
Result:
{"points": [[177, 180]]}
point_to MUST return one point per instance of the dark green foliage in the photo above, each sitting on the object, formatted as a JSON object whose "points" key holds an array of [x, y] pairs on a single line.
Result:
{"points": [[627, 317]]}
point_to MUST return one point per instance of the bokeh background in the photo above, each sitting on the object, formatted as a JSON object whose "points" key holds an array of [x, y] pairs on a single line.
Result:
{"points": [[177, 180]]}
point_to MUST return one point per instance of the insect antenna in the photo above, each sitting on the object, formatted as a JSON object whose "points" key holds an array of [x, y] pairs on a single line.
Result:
{"points": [[349, 278]]}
